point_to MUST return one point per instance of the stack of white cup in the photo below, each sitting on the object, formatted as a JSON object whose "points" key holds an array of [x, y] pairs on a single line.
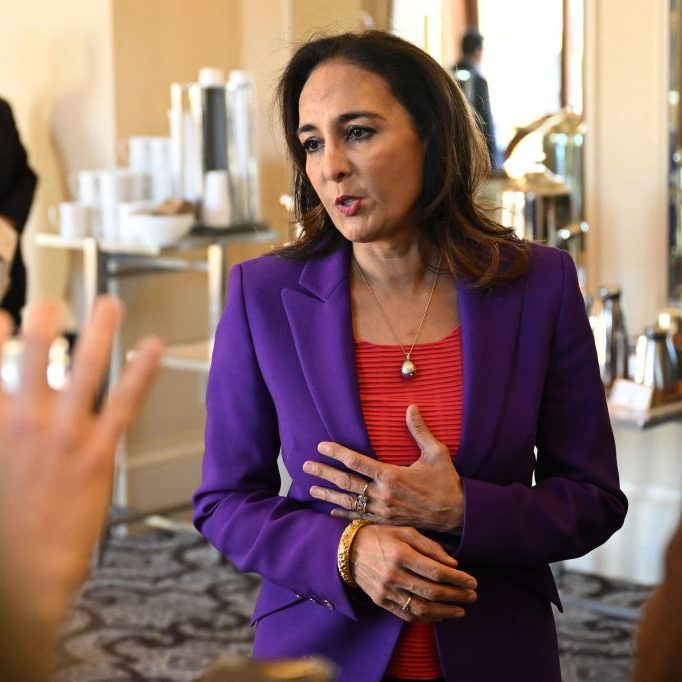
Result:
{"points": [[152, 156], [105, 193], [119, 187], [73, 219]]}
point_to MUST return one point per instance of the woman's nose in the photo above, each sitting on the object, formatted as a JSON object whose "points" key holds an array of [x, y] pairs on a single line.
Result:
{"points": [[336, 165]]}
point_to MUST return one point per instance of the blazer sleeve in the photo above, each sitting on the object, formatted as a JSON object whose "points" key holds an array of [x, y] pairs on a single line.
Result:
{"points": [[237, 506], [576, 503], [19, 182]]}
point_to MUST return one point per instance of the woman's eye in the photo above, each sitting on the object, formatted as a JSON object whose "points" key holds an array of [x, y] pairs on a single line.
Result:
{"points": [[358, 133], [311, 145]]}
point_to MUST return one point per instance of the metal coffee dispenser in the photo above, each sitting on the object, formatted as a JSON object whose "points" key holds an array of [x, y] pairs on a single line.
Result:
{"points": [[562, 144], [214, 155], [540, 193], [537, 205]]}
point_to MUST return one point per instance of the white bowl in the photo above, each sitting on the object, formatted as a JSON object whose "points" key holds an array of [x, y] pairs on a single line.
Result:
{"points": [[155, 230]]}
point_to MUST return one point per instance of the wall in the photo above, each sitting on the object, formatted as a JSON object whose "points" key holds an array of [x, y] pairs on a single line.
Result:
{"points": [[268, 25], [324, 16], [59, 84], [626, 76], [157, 42], [625, 107]]}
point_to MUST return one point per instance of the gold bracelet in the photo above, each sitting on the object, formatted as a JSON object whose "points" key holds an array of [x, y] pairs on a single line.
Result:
{"points": [[343, 555]]}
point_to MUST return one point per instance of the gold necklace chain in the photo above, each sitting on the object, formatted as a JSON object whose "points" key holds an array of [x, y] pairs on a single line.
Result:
{"points": [[408, 370]]}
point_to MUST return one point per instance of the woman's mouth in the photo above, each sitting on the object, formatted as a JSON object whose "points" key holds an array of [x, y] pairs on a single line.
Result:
{"points": [[348, 205]]}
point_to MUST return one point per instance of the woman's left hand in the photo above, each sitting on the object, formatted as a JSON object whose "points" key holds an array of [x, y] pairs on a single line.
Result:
{"points": [[428, 494]]}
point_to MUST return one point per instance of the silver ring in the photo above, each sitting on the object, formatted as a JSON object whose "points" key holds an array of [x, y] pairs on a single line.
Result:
{"points": [[360, 506], [406, 606]]}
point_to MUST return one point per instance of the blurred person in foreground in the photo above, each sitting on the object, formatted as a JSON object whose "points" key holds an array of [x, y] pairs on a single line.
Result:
{"points": [[658, 651], [430, 380], [467, 71], [17, 187], [56, 471]]}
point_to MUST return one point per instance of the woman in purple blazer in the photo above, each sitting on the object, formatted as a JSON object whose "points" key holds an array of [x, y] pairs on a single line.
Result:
{"points": [[397, 259]]}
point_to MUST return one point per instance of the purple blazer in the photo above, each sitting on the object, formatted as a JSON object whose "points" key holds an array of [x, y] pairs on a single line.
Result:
{"points": [[283, 376]]}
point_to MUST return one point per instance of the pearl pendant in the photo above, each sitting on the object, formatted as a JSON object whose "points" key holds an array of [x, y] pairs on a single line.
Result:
{"points": [[408, 370]]}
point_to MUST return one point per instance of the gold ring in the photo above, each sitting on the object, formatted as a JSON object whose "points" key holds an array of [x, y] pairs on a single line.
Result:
{"points": [[405, 607]]}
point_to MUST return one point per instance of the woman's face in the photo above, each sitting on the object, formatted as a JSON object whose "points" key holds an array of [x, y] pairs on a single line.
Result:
{"points": [[364, 157]]}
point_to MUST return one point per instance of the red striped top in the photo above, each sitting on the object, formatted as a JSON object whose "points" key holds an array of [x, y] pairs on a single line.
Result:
{"points": [[437, 389]]}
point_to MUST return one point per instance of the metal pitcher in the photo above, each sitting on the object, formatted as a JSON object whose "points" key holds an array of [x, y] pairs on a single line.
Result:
{"points": [[537, 205], [656, 360], [610, 336], [670, 319]]}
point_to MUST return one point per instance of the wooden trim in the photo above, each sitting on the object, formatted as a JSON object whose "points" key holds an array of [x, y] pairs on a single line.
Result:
{"points": [[591, 178], [471, 13], [566, 39]]}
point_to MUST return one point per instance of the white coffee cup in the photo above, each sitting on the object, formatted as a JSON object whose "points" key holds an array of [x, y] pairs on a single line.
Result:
{"points": [[215, 205], [84, 186], [159, 153], [108, 222], [160, 168], [114, 187], [140, 186], [72, 218], [139, 153]]}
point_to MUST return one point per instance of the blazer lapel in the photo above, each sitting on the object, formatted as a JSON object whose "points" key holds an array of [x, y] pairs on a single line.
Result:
{"points": [[490, 323], [319, 315], [321, 325]]}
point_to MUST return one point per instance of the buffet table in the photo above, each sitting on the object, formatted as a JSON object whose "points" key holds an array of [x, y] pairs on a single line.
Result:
{"points": [[106, 263]]}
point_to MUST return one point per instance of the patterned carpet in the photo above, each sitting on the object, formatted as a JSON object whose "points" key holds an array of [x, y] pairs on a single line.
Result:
{"points": [[163, 606]]}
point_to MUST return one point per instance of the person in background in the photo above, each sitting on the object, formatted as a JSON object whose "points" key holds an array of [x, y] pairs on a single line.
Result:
{"points": [[56, 471], [658, 652], [17, 186], [475, 87], [430, 381]]}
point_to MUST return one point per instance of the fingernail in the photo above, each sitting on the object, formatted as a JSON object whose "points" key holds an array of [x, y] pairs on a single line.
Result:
{"points": [[322, 448], [307, 467], [471, 584]]}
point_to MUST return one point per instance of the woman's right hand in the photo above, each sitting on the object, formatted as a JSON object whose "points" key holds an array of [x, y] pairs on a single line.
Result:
{"points": [[392, 564]]}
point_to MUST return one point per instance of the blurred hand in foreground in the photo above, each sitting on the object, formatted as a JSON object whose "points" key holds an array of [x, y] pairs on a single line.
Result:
{"points": [[57, 460]]}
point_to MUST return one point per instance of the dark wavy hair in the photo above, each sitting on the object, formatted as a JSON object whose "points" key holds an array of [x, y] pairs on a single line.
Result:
{"points": [[456, 160]]}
